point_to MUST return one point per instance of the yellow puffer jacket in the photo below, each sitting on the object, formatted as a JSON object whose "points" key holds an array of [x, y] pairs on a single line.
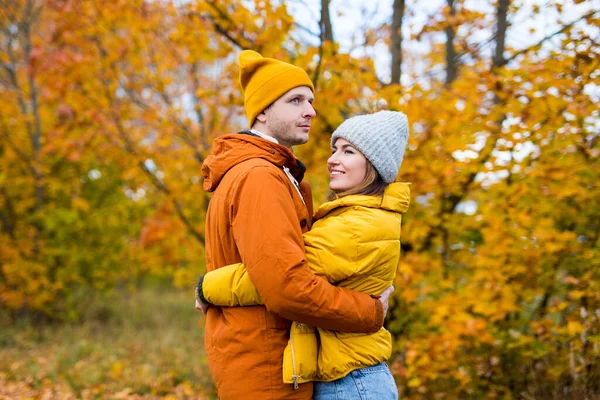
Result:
{"points": [[354, 243]]}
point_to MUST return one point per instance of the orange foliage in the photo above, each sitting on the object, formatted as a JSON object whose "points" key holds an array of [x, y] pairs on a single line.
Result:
{"points": [[109, 109]]}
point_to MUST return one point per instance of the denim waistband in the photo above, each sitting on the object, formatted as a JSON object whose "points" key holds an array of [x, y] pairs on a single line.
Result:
{"points": [[382, 366]]}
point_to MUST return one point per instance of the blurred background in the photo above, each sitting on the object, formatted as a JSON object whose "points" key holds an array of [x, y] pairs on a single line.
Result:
{"points": [[108, 109]]}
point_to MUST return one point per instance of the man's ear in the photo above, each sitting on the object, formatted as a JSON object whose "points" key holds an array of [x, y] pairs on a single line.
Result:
{"points": [[262, 117]]}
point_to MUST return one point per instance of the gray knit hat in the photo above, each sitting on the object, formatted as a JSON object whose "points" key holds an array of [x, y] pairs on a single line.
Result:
{"points": [[381, 137]]}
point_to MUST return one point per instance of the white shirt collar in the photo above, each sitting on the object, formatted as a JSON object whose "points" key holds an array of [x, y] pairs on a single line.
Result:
{"points": [[266, 137], [285, 169]]}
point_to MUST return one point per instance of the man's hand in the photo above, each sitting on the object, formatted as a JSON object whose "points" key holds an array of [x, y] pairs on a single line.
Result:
{"points": [[384, 299]]}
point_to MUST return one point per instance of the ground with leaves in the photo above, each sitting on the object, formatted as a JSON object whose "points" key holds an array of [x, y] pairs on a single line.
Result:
{"points": [[141, 345]]}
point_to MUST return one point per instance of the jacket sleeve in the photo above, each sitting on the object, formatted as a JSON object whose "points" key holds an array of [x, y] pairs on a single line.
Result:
{"points": [[266, 230], [230, 286], [331, 252]]}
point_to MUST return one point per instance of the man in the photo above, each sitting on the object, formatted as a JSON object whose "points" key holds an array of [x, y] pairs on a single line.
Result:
{"points": [[259, 210]]}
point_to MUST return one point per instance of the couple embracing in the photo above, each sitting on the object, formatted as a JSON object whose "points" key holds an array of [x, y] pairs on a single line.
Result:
{"points": [[295, 302]]}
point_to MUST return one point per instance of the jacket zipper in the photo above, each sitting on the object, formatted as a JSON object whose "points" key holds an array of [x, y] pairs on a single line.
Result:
{"points": [[294, 376], [294, 182]]}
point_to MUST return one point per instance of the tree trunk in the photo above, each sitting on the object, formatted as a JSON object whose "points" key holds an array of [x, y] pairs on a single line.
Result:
{"points": [[325, 24], [326, 35], [36, 133], [453, 199], [396, 46], [451, 62], [501, 17]]}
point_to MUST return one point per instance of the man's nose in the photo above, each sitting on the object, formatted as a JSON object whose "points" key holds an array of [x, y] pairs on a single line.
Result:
{"points": [[309, 111]]}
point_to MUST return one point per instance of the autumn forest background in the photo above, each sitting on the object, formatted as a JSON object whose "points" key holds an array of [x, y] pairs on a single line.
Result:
{"points": [[108, 109]]}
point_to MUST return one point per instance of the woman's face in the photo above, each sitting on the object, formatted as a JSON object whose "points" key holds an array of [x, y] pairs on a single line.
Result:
{"points": [[347, 166]]}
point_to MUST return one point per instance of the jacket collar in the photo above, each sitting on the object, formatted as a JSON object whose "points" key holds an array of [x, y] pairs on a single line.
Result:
{"points": [[396, 198], [254, 132], [231, 149]]}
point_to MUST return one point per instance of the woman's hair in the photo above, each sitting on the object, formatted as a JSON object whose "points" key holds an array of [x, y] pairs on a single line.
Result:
{"points": [[372, 185]]}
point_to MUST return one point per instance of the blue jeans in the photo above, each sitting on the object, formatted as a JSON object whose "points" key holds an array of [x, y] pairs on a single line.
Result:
{"points": [[370, 383]]}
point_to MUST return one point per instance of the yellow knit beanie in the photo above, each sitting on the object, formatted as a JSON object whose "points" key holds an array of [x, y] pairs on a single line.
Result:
{"points": [[264, 80]]}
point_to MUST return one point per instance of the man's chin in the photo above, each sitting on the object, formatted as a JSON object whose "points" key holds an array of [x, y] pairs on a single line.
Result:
{"points": [[303, 138], [300, 140]]}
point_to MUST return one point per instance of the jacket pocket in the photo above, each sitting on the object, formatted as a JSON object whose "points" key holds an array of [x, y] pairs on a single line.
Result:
{"points": [[300, 355]]}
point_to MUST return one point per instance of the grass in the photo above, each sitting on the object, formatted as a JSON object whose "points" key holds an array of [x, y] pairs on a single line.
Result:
{"points": [[146, 344]]}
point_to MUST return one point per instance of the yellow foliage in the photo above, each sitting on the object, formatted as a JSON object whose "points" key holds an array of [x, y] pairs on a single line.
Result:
{"points": [[100, 182]]}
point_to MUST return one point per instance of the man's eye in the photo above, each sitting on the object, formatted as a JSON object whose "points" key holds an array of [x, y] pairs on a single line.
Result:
{"points": [[295, 100]]}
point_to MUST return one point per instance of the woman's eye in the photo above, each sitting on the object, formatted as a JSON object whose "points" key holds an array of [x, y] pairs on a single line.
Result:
{"points": [[296, 100]]}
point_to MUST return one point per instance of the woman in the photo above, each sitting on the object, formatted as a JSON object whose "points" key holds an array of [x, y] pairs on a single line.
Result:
{"points": [[354, 243]]}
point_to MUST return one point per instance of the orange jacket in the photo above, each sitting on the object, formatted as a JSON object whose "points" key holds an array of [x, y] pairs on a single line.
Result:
{"points": [[256, 216]]}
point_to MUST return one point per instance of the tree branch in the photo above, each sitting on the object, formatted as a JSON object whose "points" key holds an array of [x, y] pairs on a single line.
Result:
{"points": [[305, 29], [558, 32], [130, 148], [224, 16]]}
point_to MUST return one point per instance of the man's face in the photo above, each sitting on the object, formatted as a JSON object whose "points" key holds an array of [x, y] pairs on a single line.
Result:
{"points": [[288, 118]]}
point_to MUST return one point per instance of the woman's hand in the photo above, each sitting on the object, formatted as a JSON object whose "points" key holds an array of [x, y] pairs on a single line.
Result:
{"points": [[384, 298]]}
